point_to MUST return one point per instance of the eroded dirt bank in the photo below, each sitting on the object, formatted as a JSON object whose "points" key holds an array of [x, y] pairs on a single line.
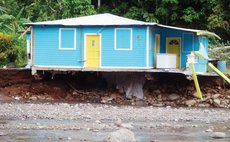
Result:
{"points": [[159, 90], [68, 108]]}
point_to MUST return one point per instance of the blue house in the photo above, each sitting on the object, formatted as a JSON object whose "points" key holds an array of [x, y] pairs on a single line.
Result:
{"points": [[106, 42]]}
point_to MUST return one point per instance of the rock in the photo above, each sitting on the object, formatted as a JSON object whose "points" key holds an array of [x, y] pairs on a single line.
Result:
{"points": [[215, 96], [209, 130], [118, 122], [33, 98], [218, 135], [140, 103], [106, 99], [196, 95], [17, 98], [98, 121], [204, 105], [121, 135], [127, 126], [173, 97], [157, 91], [216, 102], [158, 105], [2, 134], [190, 102]]}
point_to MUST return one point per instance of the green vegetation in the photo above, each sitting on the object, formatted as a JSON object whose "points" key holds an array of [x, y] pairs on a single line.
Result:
{"points": [[12, 50], [212, 15]]}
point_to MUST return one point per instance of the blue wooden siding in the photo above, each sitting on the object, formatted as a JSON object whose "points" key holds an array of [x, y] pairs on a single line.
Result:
{"points": [[151, 47], [47, 52], [124, 58], [46, 48]]}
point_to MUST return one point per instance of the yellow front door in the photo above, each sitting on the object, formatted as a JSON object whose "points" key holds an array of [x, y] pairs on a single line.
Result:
{"points": [[92, 51], [157, 47], [173, 47]]}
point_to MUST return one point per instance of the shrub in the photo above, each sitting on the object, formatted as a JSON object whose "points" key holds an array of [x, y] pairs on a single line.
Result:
{"points": [[12, 50]]}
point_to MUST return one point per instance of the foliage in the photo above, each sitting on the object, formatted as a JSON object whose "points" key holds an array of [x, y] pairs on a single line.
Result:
{"points": [[11, 50], [220, 53]]}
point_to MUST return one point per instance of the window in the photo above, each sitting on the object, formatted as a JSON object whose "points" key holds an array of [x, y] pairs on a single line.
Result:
{"points": [[123, 39], [67, 38]]}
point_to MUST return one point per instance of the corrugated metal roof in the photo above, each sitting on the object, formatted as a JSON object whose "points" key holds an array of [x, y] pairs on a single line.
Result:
{"points": [[107, 19], [199, 32], [98, 19]]}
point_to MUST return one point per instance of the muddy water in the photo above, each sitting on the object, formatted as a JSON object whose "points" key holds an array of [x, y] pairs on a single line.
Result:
{"points": [[42, 130]]}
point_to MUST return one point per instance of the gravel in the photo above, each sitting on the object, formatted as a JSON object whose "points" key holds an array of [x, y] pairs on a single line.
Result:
{"points": [[98, 122], [65, 111]]}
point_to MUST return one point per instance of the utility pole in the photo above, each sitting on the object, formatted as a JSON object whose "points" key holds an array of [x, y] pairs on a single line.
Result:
{"points": [[98, 3]]}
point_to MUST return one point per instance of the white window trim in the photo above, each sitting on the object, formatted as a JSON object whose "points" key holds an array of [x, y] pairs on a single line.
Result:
{"points": [[75, 39], [115, 39]]}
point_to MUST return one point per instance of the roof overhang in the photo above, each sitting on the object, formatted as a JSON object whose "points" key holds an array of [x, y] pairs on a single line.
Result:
{"points": [[198, 32]]}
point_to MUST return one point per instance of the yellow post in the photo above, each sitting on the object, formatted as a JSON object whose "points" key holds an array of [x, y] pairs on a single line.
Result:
{"points": [[219, 72], [196, 81]]}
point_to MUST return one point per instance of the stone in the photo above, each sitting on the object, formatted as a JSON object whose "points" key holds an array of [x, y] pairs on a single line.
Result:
{"points": [[190, 102], [157, 91], [106, 99], [158, 105], [33, 98], [215, 96], [17, 98], [127, 126], [202, 105], [173, 97], [216, 102], [196, 95], [209, 130], [121, 135], [218, 135], [118, 122], [2, 134]]}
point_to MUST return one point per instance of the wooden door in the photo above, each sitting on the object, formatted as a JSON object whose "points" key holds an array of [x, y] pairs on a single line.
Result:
{"points": [[92, 51], [173, 47]]}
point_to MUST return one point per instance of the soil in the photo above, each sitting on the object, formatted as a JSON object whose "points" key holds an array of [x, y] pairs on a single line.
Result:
{"points": [[82, 107], [87, 87]]}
